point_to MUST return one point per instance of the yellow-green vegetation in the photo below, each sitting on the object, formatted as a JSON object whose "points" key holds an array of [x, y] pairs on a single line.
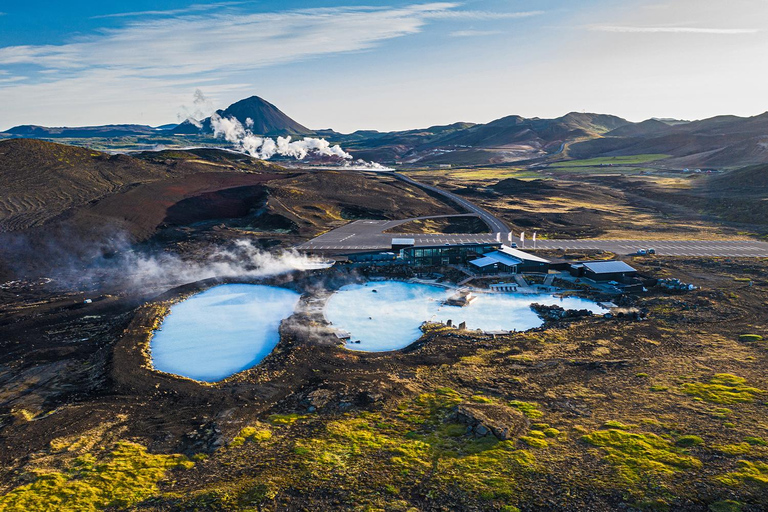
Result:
{"points": [[754, 472], [755, 441], [726, 506], [535, 439], [638, 455], [285, 419], [121, 478], [688, 441], [421, 442], [732, 449], [530, 409], [252, 434], [723, 388], [615, 160], [617, 424], [750, 337]]}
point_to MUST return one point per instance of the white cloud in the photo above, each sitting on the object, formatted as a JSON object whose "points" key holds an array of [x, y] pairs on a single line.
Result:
{"points": [[195, 44], [170, 12], [480, 15], [672, 30], [474, 33]]}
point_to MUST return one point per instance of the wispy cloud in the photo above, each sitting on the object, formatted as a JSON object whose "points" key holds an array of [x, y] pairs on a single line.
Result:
{"points": [[170, 12], [225, 42], [672, 30], [474, 33], [480, 15]]}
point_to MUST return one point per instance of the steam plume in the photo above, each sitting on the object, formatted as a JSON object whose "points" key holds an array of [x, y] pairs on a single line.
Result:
{"points": [[265, 148]]}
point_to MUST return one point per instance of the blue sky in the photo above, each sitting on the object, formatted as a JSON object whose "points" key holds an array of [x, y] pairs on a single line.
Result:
{"points": [[380, 65]]}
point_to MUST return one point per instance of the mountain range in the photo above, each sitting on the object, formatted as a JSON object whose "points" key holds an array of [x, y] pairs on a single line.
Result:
{"points": [[723, 141]]}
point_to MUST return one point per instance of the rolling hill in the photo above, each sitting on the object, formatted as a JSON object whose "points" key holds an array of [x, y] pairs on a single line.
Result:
{"points": [[41, 179]]}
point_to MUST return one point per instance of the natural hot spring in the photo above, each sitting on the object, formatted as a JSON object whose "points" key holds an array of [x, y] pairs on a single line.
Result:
{"points": [[221, 331], [391, 317]]}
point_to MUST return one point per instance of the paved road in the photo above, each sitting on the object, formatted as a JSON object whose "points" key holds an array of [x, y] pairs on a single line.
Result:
{"points": [[726, 248], [496, 224], [367, 235]]}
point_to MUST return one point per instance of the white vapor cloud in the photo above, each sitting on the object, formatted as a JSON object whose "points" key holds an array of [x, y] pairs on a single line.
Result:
{"points": [[265, 148], [243, 259], [672, 30]]}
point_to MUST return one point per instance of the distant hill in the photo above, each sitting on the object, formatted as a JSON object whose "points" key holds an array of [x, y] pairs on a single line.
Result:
{"points": [[723, 141], [538, 132], [267, 119], [507, 139], [111, 130]]}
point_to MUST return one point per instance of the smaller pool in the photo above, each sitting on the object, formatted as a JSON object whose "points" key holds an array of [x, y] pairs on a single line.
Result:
{"points": [[388, 315], [221, 331]]}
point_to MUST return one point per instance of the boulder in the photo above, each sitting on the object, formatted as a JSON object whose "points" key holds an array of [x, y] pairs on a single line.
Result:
{"points": [[491, 419]]}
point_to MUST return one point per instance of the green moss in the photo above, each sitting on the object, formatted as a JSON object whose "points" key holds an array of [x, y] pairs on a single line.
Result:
{"points": [[551, 432], [534, 442], [732, 449], [721, 413], [252, 434], [617, 424], [755, 441], [530, 409], [641, 375], [635, 455], [723, 388], [419, 444], [481, 399], [688, 441], [748, 472], [285, 419], [726, 506], [658, 387], [122, 478], [750, 337]]}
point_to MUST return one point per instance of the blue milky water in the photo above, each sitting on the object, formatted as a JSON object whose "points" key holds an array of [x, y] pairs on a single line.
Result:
{"points": [[221, 331], [390, 318]]}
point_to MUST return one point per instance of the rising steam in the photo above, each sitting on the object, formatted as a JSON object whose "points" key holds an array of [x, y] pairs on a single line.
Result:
{"points": [[243, 139], [242, 259], [265, 148]]}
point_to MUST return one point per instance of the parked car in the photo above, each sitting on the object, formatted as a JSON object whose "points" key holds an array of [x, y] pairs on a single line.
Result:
{"points": [[651, 251]]}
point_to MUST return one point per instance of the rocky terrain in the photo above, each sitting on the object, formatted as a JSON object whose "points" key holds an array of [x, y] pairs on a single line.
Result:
{"points": [[664, 410]]}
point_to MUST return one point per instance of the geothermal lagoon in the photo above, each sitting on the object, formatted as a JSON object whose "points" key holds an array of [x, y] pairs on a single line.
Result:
{"points": [[221, 331], [387, 315]]}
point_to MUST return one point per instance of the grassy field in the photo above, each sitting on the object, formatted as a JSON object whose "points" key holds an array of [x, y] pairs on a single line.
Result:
{"points": [[614, 160]]}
